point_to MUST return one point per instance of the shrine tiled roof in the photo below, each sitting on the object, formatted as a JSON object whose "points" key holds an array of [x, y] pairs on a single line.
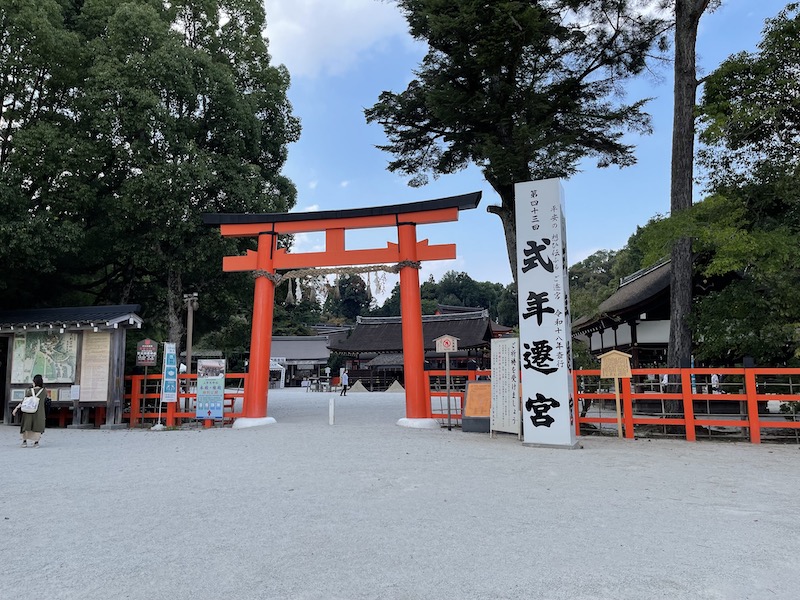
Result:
{"points": [[384, 334], [634, 293]]}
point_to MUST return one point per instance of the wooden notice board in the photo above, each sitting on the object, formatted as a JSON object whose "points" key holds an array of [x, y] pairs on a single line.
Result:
{"points": [[478, 399]]}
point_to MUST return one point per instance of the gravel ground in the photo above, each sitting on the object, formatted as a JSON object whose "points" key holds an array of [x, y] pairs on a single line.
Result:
{"points": [[365, 509]]}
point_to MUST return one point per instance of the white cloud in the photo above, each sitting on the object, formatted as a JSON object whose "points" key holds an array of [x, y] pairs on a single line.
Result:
{"points": [[344, 184], [310, 208], [308, 242], [313, 37]]}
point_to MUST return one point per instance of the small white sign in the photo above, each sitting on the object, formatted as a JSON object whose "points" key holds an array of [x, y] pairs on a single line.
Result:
{"points": [[446, 343]]}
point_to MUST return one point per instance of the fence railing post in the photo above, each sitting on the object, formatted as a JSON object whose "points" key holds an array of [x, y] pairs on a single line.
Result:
{"points": [[627, 407], [688, 405], [576, 403], [752, 405], [171, 413], [136, 382]]}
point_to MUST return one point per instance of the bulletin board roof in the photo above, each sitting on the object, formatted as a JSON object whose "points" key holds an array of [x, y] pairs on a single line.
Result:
{"points": [[123, 315]]}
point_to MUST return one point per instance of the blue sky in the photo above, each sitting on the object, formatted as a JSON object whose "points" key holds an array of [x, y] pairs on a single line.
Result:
{"points": [[342, 55]]}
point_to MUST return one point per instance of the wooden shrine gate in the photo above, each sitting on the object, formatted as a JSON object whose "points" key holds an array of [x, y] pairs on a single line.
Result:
{"points": [[406, 254]]}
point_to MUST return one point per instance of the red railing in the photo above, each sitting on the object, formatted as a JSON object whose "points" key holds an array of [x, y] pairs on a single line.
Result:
{"points": [[437, 384], [144, 403], [752, 389], [749, 387]]}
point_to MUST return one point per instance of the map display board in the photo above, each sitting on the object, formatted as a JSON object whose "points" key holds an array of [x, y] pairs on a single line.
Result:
{"points": [[54, 356]]}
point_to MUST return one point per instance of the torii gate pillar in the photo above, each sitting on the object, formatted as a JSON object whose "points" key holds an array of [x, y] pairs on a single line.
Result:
{"points": [[418, 404], [257, 383], [406, 254]]}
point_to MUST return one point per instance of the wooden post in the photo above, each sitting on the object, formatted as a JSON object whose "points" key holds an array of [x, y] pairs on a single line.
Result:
{"points": [[616, 404]]}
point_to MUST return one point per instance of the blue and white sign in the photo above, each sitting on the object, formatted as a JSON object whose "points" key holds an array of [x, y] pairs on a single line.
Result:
{"points": [[544, 322], [169, 383], [210, 388]]}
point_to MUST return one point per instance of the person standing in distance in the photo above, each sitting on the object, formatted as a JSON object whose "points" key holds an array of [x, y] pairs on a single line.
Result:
{"points": [[345, 381], [32, 426]]}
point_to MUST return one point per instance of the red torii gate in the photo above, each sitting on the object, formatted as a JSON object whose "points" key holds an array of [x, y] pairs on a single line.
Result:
{"points": [[406, 254]]}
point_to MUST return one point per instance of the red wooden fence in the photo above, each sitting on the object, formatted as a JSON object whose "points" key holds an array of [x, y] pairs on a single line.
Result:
{"points": [[749, 389]]}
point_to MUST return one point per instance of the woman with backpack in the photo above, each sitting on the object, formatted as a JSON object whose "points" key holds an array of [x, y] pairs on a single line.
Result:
{"points": [[33, 423]]}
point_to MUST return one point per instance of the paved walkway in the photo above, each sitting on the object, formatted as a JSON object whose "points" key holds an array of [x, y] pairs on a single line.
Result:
{"points": [[364, 509]]}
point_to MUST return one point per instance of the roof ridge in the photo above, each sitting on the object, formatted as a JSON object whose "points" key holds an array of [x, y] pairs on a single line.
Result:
{"points": [[642, 272], [482, 314]]}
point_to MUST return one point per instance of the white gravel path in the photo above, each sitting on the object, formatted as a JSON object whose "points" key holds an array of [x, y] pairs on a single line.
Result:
{"points": [[365, 509]]}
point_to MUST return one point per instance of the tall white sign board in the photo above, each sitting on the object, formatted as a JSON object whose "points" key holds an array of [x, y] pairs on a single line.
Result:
{"points": [[505, 386], [544, 322]]}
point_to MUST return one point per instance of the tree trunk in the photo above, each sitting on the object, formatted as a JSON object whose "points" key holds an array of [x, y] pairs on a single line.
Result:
{"points": [[687, 19], [508, 216], [175, 308]]}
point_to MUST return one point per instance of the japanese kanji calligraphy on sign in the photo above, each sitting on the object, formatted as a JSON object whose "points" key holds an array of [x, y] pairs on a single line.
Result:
{"points": [[544, 324]]}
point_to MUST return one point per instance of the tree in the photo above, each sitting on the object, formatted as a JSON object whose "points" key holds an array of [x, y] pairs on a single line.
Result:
{"points": [[349, 298], [590, 282], [459, 289], [166, 112], [687, 20], [523, 90], [39, 66], [750, 223]]}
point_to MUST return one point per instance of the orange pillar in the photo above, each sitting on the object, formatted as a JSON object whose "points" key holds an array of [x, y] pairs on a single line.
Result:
{"points": [[417, 403], [257, 384]]}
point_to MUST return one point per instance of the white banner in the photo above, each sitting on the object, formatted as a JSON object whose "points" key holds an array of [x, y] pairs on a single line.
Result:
{"points": [[544, 322], [505, 386]]}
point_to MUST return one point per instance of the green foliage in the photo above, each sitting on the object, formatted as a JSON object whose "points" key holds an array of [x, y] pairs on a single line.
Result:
{"points": [[523, 90], [348, 300], [459, 289], [590, 282], [750, 223], [594, 279], [147, 116]]}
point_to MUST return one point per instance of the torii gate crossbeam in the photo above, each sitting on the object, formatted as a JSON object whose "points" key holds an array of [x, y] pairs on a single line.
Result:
{"points": [[407, 253]]}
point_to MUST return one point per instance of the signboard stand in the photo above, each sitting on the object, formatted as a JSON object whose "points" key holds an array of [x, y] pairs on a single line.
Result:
{"points": [[506, 410], [447, 344], [615, 365], [169, 381], [210, 399], [158, 426], [146, 356], [477, 407]]}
